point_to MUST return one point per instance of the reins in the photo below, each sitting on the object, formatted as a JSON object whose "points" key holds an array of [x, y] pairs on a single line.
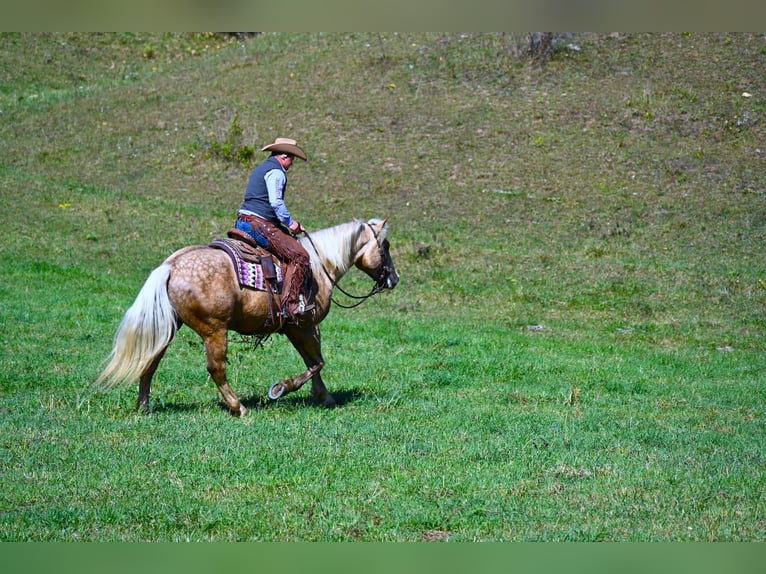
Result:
{"points": [[360, 298]]}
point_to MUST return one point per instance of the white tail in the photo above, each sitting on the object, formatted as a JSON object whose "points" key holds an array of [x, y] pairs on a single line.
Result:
{"points": [[145, 331]]}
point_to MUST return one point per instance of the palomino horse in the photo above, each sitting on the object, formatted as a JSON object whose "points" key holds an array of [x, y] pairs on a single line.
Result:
{"points": [[197, 286]]}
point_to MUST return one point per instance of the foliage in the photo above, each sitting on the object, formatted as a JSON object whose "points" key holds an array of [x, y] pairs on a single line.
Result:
{"points": [[575, 351], [231, 148]]}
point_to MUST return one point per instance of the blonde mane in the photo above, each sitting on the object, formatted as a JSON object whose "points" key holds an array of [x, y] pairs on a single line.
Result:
{"points": [[334, 245]]}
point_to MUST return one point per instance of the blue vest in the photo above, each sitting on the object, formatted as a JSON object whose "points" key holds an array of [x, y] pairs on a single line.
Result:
{"points": [[256, 194]]}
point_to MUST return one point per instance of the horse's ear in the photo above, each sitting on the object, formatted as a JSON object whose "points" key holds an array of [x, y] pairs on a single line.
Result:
{"points": [[383, 230], [378, 226]]}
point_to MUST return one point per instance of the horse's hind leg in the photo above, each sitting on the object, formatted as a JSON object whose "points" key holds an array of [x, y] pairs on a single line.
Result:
{"points": [[145, 383], [216, 346], [145, 380]]}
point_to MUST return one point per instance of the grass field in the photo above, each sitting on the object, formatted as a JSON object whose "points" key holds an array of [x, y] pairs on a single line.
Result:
{"points": [[575, 350]]}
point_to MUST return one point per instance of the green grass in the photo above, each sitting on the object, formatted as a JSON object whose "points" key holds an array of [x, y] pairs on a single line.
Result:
{"points": [[575, 351]]}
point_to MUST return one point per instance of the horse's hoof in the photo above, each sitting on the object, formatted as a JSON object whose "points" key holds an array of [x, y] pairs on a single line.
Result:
{"points": [[276, 390], [241, 411], [329, 402]]}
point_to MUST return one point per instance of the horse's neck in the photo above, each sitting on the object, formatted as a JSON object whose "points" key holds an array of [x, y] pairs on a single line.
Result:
{"points": [[332, 250]]}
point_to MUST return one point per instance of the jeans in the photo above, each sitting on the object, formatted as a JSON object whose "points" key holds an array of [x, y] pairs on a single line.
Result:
{"points": [[254, 231]]}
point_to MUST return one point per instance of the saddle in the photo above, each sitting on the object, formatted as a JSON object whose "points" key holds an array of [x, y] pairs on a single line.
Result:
{"points": [[254, 266], [258, 269]]}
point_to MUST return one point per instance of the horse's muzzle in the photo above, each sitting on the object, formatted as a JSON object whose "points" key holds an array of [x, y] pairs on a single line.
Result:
{"points": [[389, 278]]}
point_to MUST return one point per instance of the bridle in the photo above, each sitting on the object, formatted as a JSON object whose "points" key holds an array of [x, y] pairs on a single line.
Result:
{"points": [[385, 272]]}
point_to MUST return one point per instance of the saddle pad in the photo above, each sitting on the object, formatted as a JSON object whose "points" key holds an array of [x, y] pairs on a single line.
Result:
{"points": [[249, 274]]}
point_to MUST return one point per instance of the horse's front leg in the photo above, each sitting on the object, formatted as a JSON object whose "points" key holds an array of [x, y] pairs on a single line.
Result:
{"points": [[308, 342], [281, 388], [320, 392]]}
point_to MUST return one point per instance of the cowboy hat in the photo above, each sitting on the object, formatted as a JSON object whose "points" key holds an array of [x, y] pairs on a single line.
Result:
{"points": [[285, 145]]}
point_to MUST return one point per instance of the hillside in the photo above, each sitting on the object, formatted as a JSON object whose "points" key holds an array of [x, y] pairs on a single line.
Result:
{"points": [[614, 171]]}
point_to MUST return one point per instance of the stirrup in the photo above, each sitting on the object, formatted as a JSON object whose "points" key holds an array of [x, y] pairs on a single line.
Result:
{"points": [[302, 306]]}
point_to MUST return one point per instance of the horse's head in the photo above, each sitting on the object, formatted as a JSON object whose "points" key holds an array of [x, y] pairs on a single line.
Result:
{"points": [[374, 256]]}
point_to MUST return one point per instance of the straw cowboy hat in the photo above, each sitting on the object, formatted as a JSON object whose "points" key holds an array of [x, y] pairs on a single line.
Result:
{"points": [[286, 145]]}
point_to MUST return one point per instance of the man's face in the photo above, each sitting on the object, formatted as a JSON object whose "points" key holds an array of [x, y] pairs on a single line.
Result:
{"points": [[286, 160]]}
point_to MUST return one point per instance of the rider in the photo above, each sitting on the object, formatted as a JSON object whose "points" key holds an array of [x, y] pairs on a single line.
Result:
{"points": [[265, 217]]}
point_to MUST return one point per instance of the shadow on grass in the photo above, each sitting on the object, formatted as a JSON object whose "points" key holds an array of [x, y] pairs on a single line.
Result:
{"points": [[259, 402], [301, 399]]}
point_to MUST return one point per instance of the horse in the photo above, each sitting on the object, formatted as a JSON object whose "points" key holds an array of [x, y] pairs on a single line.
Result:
{"points": [[197, 286]]}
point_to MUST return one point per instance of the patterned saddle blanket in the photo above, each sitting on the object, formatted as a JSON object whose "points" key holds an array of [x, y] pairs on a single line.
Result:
{"points": [[254, 266]]}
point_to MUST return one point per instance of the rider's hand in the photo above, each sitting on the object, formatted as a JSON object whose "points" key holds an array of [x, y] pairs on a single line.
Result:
{"points": [[297, 228]]}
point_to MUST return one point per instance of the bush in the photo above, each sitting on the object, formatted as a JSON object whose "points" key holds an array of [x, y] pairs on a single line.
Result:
{"points": [[230, 148]]}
